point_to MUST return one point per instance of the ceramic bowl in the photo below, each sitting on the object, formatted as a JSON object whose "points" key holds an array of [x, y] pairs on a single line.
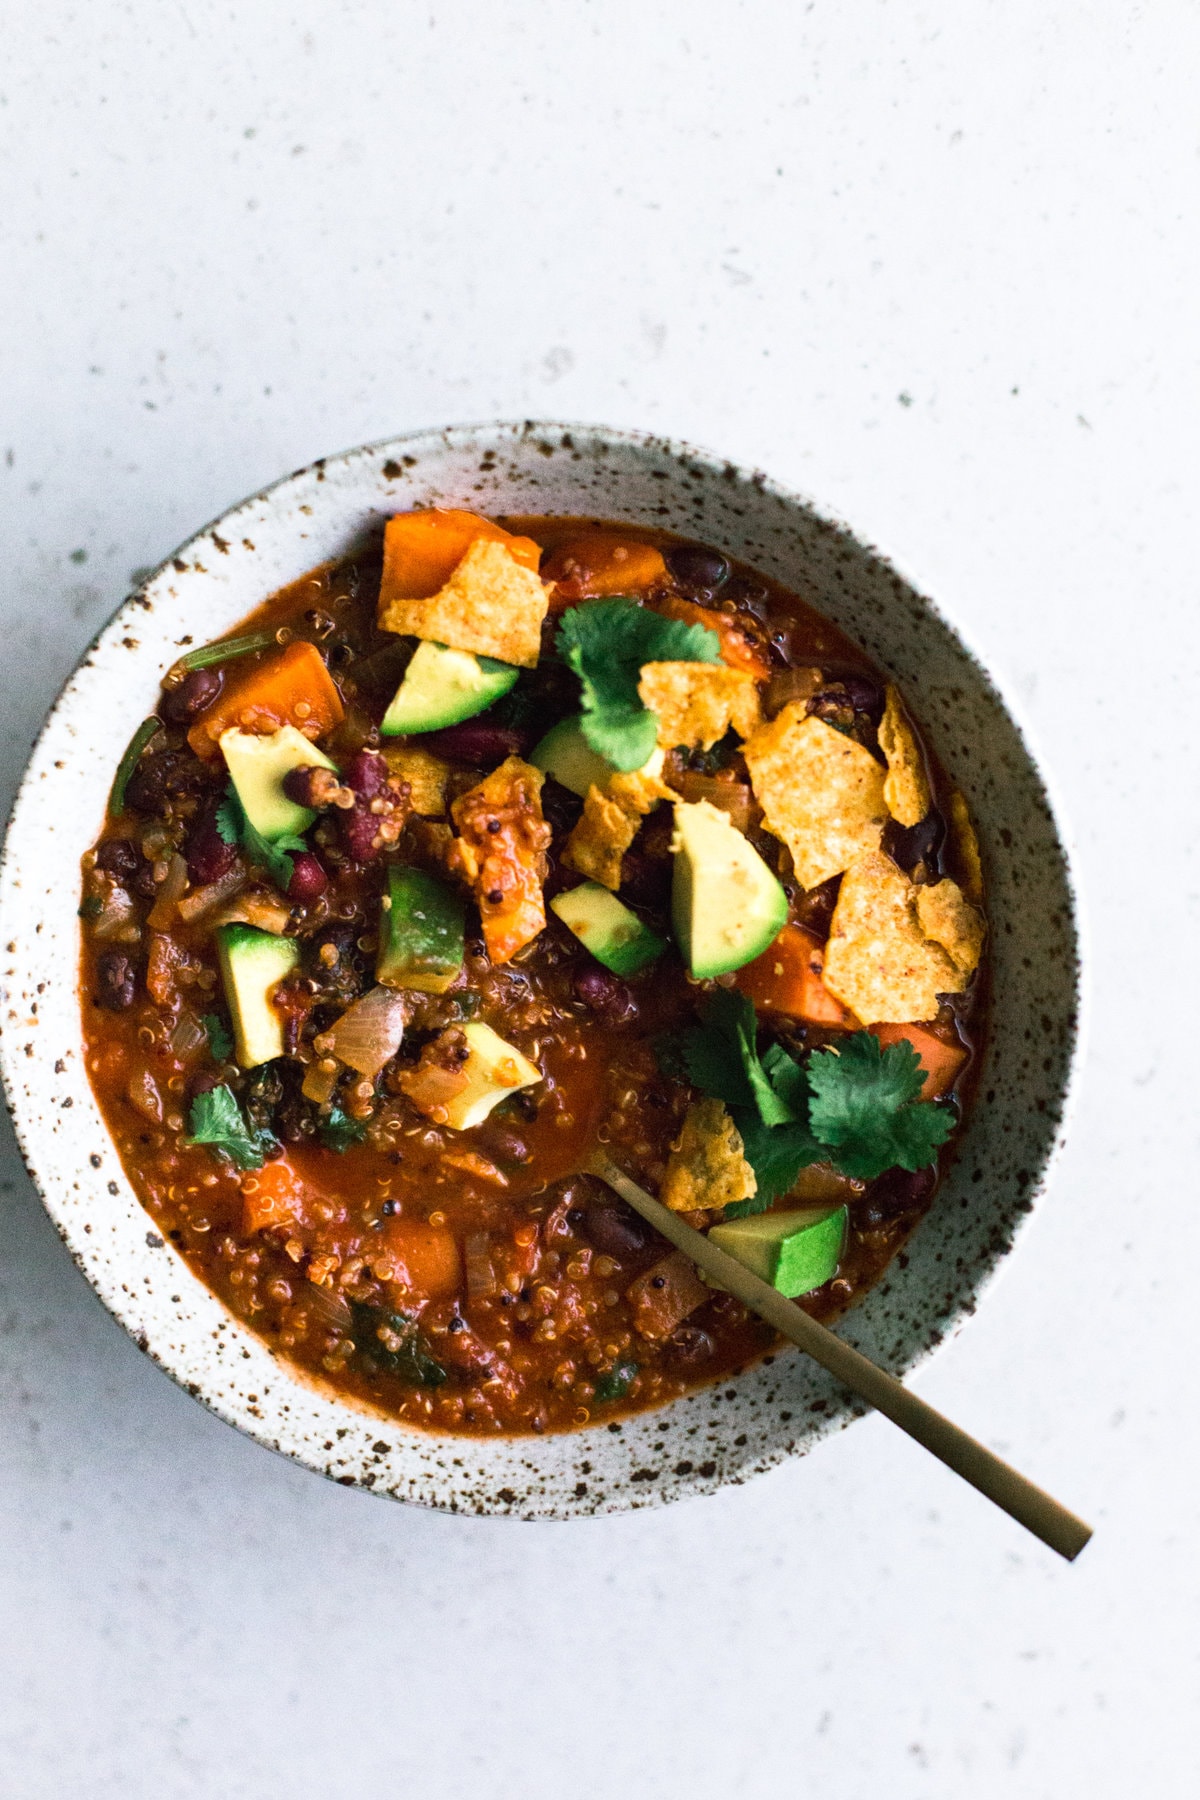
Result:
{"points": [[722, 1434]]}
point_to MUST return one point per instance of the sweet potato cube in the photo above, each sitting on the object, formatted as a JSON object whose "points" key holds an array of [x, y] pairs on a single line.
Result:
{"points": [[292, 687], [421, 550]]}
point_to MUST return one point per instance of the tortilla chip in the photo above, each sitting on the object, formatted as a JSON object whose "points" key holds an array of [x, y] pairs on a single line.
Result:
{"points": [[426, 774], [906, 788], [949, 920], [696, 703], [599, 841], [820, 791], [490, 605], [966, 845], [707, 1165], [878, 960]]}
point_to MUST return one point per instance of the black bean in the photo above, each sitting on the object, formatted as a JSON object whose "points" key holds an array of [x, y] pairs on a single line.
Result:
{"points": [[196, 691], [165, 777], [120, 857], [689, 1345], [894, 1195], [696, 569], [606, 994], [919, 843], [116, 983], [814, 908], [143, 883], [865, 696], [615, 1229]]}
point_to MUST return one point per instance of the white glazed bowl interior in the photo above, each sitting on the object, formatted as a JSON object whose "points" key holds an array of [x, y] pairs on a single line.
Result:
{"points": [[721, 1434]]}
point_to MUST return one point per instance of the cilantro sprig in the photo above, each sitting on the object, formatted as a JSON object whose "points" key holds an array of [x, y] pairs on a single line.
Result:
{"points": [[855, 1104], [220, 1043], [866, 1107], [234, 827], [607, 642], [339, 1131], [217, 1122]]}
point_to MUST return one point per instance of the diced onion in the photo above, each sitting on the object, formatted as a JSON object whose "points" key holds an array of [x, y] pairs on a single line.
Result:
{"points": [[368, 1033], [166, 901]]}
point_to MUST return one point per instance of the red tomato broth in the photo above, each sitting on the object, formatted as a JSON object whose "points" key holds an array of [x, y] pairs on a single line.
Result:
{"points": [[527, 1356]]}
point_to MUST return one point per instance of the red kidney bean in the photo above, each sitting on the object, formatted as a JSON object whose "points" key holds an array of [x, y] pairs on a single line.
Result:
{"points": [[358, 828], [208, 855], [366, 772], [865, 696], [606, 994], [615, 1229], [696, 569], [309, 879], [116, 983], [475, 741], [311, 786], [181, 704], [119, 857]]}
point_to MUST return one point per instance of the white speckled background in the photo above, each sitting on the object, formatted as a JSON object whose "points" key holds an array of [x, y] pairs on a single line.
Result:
{"points": [[937, 266]]}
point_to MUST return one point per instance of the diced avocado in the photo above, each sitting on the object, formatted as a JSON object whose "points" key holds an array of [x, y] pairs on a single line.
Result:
{"points": [[257, 766], [442, 686], [420, 932], [604, 925], [795, 1251], [253, 963], [565, 753], [494, 1070], [726, 905]]}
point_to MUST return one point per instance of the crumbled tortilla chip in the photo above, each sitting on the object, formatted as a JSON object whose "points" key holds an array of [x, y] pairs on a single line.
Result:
{"points": [[600, 839], [906, 788], [490, 605], [878, 960], [610, 821], [966, 844], [639, 790], [426, 774], [707, 1165], [820, 791], [696, 702], [951, 921]]}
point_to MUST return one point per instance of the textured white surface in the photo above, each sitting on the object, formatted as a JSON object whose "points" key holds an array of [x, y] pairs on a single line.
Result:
{"points": [[935, 265]]}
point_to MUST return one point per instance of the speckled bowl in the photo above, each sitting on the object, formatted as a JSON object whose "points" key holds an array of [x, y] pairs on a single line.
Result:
{"points": [[724, 1433]]}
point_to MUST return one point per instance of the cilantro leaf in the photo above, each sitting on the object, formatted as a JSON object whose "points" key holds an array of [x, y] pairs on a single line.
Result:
{"points": [[339, 1130], [618, 1381], [229, 818], [218, 1123], [271, 855], [865, 1107], [722, 1059], [776, 1153], [408, 1360], [219, 1041], [607, 642]]}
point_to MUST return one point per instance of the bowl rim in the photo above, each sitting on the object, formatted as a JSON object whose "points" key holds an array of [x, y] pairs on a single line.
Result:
{"points": [[463, 436]]}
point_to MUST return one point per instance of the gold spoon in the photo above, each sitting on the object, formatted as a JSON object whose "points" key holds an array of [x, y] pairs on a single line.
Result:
{"points": [[1024, 1502]]}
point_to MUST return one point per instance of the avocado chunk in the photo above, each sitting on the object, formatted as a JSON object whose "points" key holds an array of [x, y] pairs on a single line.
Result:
{"points": [[442, 687], [253, 963], [565, 753], [604, 925], [257, 766], [420, 932], [795, 1251], [494, 1070], [726, 905]]}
